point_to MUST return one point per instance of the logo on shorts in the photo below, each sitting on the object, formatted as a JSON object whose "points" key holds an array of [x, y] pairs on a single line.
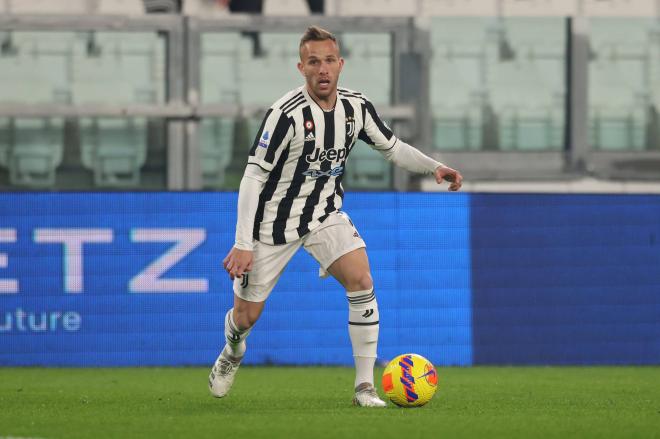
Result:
{"points": [[356, 234], [244, 281]]}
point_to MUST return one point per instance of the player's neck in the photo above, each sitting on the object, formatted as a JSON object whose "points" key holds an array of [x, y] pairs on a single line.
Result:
{"points": [[326, 104]]}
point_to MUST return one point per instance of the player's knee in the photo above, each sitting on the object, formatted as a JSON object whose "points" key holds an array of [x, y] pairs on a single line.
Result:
{"points": [[360, 282]]}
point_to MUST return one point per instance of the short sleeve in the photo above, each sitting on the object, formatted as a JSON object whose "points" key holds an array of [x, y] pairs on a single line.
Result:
{"points": [[274, 134], [375, 132]]}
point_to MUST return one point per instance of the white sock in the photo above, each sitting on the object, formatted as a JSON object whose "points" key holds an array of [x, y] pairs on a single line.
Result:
{"points": [[235, 346], [363, 329]]}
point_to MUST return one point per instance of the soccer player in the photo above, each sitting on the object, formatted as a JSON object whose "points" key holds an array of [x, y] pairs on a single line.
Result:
{"points": [[291, 197]]}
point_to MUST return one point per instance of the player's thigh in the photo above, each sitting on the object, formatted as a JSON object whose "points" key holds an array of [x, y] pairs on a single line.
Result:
{"points": [[338, 239], [267, 267], [352, 270]]}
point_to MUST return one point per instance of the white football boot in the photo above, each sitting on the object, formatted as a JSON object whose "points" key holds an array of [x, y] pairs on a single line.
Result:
{"points": [[366, 396], [222, 374]]}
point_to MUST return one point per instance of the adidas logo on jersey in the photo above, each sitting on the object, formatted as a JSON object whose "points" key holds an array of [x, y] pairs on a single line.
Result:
{"points": [[310, 136]]}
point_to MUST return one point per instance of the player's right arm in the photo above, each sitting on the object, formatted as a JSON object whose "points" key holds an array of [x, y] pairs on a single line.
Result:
{"points": [[240, 257], [275, 132]]}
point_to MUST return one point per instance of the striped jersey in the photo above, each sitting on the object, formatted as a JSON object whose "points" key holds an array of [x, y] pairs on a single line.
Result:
{"points": [[304, 149]]}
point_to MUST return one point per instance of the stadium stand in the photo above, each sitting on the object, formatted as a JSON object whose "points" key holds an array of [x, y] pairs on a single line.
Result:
{"points": [[217, 140], [497, 82], [458, 98], [622, 84], [117, 68], [526, 81]]}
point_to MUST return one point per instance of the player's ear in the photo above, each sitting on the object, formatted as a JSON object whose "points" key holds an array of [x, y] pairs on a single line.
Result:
{"points": [[300, 68], [341, 64]]}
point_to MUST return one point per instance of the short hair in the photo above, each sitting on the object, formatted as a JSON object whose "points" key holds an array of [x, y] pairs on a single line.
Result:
{"points": [[316, 33]]}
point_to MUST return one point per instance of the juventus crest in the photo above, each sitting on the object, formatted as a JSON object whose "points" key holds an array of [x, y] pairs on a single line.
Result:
{"points": [[350, 126]]}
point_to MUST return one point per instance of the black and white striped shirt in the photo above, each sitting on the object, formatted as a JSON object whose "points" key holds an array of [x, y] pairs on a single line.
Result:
{"points": [[304, 149]]}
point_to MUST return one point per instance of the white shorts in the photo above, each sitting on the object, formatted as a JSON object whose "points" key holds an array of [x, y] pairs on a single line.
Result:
{"points": [[335, 237]]}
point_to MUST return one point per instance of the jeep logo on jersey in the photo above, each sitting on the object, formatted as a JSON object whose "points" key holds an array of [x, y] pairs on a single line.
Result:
{"points": [[319, 155]]}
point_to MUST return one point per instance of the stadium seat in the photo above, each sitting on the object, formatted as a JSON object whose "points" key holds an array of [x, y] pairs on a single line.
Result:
{"points": [[112, 68], [36, 70], [217, 144], [531, 128], [35, 151], [622, 129], [368, 66], [253, 125], [219, 82], [457, 128], [5, 141], [114, 149], [526, 65], [619, 94], [457, 89], [265, 79], [367, 169]]}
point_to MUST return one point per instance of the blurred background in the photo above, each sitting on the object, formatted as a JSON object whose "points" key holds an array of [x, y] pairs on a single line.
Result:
{"points": [[520, 95], [124, 131]]}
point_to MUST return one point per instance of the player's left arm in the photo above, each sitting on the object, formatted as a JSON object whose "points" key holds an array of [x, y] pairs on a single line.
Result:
{"points": [[413, 160], [376, 133]]}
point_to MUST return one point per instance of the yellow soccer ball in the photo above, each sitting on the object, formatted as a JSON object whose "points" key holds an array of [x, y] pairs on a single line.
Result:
{"points": [[410, 380]]}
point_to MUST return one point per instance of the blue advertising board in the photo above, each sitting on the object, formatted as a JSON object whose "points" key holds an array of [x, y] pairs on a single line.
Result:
{"points": [[101, 279], [566, 279], [118, 279]]}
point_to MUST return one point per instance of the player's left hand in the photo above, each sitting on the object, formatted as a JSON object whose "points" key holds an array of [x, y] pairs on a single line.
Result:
{"points": [[445, 173]]}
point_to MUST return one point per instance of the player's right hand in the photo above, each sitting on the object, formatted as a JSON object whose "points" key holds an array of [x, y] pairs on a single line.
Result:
{"points": [[238, 262]]}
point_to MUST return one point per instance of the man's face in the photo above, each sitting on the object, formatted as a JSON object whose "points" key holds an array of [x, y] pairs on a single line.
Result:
{"points": [[320, 64]]}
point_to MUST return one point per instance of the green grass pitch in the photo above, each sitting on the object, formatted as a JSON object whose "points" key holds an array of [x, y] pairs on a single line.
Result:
{"points": [[315, 402]]}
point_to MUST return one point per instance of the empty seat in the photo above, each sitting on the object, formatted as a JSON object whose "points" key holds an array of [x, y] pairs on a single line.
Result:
{"points": [[5, 141], [35, 66], [113, 67], [456, 128], [35, 151], [368, 68], [621, 83], [367, 169], [219, 68], [530, 128], [264, 79], [617, 129], [217, 144], [526, 68], [114, 149], [457, 82]]}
